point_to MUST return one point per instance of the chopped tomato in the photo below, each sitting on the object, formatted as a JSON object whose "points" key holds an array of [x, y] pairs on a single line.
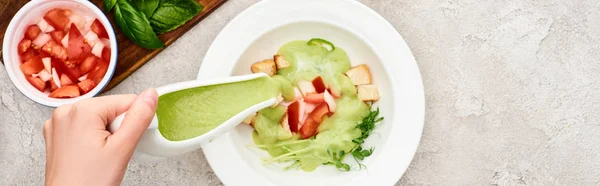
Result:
{"points": [[314, 98], [58, 18], [44, 54], [97, 73], [32, 32], [293, 113], [57, 35], [99, 29], [78, 49], [55, 50], [88, 64], [86, 85], [27, 55], [32, 66], [64, 80], [69, 91], [61, 68], [53, 85], [106, 54], [319, 84], [37, 83], [24, 45], [310, 126]]}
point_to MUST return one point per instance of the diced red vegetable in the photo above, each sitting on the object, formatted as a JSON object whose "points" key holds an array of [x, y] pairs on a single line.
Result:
{"points": [[106, 54], [64, 80], [61, 68], [319, 84], [69, 91], [86, 85], [32, 66], [99, 29], [55, 50], [78, 49], [37, 83], [88, 64], [58, 18], [312, 122], [24, 45], [57, 36], [32, 32], [27, 55], [53, 85], [293, 113], [314, 98], [97, 73]]}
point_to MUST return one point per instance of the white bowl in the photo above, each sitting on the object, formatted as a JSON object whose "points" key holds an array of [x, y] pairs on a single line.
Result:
{"points": [[30, 14], [368, 39]]}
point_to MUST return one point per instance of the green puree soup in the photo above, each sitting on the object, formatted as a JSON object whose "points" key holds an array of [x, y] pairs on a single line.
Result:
{"points": [[192, 112]]}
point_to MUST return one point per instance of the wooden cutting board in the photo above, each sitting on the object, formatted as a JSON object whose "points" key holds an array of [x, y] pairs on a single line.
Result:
{"points": [[131, 56]]}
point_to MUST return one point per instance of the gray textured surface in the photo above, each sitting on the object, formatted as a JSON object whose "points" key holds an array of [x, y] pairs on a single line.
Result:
{"points": [[512, 90]]}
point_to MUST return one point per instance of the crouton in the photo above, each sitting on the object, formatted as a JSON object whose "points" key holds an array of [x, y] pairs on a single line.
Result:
{"points": [[278, 100], [280, 62], [250, 119], [266, 66], [368, 93], [360, 75]]}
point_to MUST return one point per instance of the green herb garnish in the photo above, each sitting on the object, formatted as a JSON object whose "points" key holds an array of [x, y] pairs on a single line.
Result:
{"points": [[323, 43], [146, 6], [135, 25], [171, 14]]}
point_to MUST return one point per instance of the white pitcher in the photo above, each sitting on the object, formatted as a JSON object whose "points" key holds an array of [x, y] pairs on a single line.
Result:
{"points": [[153, 145]]}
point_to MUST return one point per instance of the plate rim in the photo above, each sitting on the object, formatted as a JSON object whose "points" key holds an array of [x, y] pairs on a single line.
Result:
{"points": [[209, 63]]}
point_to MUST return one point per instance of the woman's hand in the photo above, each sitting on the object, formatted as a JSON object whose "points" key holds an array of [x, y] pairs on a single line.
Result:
{"points": [[79, 148]]}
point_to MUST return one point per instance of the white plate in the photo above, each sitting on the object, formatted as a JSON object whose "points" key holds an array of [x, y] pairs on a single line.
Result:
{"points": [[368, 38]]}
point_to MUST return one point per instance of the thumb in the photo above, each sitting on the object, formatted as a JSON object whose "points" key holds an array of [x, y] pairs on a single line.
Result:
{"points": [[136, 121]]}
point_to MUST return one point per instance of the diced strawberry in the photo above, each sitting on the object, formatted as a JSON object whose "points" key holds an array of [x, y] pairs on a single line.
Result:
{"points": [[61, 68], [64, 80], [314, 98], [32, 32], [27, 55], [319, 84], [106, 54], [99, 29], [58, 18], [24, 45], [55, 50], [32, 66], [69, 91], [78, 49], [329, 100], [88, 64], [310, 126], [37, 83], [86, 85], [97, 74], [57, 35]]}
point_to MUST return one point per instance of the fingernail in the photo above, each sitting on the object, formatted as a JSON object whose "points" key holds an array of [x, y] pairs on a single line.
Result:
{"points": [[150, 96]]}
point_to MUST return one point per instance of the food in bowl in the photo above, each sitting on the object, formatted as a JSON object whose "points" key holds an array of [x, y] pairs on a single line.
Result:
{"points": [[65, 54], [323, 112]]}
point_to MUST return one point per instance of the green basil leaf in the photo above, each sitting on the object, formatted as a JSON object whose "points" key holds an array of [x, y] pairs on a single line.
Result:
{"points": [[146, 6], [109, 4], [171, 14], [136, 26]]}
